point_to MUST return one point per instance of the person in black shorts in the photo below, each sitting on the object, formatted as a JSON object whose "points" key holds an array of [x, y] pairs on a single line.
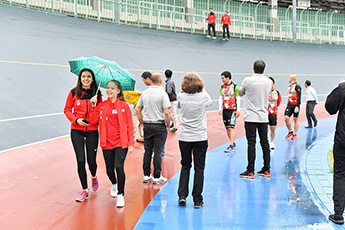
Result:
{"points": [[229, 107], [293, 106], [274, 100]]}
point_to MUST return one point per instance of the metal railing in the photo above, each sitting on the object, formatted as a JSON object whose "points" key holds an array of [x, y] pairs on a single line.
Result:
{"points": [[248, 20]]}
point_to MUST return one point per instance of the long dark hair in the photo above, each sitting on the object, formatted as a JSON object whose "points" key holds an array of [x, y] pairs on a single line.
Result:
{"points": [[94, 86], [121, 96]]}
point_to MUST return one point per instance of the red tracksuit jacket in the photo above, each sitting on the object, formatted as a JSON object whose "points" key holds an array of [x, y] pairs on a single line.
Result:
{"points": [[226, 20], [211, 19], [80, 108], [125, 121]]}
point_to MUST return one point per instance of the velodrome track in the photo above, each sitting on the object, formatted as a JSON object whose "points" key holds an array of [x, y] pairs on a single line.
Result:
{"points": [[39, 181]]}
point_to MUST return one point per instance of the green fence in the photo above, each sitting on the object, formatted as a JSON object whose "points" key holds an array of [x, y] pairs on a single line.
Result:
{"points": [[249, 20]]}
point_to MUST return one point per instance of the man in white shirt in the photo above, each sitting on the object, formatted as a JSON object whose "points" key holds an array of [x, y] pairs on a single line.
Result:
{"points": [[311, 102]]}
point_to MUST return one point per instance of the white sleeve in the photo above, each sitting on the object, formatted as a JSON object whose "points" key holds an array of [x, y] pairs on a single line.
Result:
{"points": [[208, 99], [238, 103], [243, 87], [315, 95], [220, 103]]}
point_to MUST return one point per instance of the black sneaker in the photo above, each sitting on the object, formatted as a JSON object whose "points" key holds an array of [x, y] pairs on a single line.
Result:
{"points": [[198, 204], [182, 201], [308, 127], [247, 174], [265, 173], [337, 219], [315, 124]]}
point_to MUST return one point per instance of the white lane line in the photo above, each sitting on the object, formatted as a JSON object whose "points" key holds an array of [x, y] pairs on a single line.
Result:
{"points": [[34, 143], [179, 71], [30, 117]]}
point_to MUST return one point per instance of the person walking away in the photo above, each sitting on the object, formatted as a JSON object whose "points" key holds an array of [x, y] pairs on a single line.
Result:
{"points": [[193, 141], [116, 136], [156, 119], [229, 107], [293, 107], [132, 97], [256, 90], [335, 103], [274, 100], [211, 23], [312, 100], [146, 76], [84, 135], [226, 23], [171, 91]]}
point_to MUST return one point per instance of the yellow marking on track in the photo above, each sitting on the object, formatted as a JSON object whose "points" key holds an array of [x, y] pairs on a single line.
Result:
{"points": [[33, 63], [183, 72]]}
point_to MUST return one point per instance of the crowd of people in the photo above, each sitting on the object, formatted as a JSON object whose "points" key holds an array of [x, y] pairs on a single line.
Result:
{"points": [[114, 125]]}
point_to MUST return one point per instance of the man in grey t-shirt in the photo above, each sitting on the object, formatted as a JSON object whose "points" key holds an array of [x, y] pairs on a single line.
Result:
{"points": [[156, 118], [256, 90]]}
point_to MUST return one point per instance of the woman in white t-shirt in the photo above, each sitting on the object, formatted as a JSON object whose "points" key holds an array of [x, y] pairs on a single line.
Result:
{"points": [[192, 101]]}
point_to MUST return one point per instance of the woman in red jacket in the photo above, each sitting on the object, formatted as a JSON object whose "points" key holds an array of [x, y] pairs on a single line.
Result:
{"points": [[77, 110], [116, 136]]}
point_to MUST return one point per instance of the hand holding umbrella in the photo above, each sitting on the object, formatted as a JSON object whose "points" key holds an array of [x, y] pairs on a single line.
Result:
{"points": [[104, 71]]}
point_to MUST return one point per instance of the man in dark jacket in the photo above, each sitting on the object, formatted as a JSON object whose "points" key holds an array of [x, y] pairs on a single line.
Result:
{"points": [[171, 91], [336, 102]]}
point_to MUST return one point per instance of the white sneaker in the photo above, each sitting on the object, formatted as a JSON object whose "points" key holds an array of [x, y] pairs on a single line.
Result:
{"points": [[214, 38], [120, 201], [159, 180], [208, 36], [272, 146], [113, 190], [223, 39], [147, 179]]}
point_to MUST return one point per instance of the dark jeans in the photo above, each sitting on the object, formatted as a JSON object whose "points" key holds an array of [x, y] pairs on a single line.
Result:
{"points": [[155, 136], [79, 140], [310, 112], [115, 159], [197, 152], [213, 27], [251, 128], [226, 27], [339, 178]]}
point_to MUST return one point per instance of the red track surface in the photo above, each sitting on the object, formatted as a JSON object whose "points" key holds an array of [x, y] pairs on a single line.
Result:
{"points": [[39, 183]]}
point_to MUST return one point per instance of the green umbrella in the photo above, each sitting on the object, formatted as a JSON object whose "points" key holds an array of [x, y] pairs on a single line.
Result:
{"points": [[104, 71]]}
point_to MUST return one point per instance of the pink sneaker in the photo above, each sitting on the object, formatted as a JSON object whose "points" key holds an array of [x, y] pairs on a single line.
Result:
{"points": [[83, 196], [95, 184]]}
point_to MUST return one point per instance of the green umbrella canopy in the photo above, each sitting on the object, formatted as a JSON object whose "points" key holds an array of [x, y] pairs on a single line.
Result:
{"points": [[104, 71]]}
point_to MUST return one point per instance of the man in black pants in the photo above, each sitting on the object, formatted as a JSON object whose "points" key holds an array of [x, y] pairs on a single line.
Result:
{"points": [[211, 23], [311, 102], [336, 102], [156, 119], [256, 90]]}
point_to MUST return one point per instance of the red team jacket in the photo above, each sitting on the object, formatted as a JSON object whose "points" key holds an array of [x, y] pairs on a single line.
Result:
{"points": [[274, 100], [125, 121], [226, 20], [294, 94], [80, 108], [211, 18]]}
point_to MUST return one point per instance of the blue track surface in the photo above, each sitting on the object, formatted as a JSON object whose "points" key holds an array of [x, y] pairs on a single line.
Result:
{"points": [[282, 202]]}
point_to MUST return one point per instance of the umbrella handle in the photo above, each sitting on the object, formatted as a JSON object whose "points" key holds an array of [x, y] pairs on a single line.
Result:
{"points": [[99, 85]]}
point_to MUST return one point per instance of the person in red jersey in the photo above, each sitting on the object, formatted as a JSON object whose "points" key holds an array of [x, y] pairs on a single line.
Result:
{"points": [[293, 106], [83, 134], [116, 136], [274, 100], [226, 23], [211, 23]]}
